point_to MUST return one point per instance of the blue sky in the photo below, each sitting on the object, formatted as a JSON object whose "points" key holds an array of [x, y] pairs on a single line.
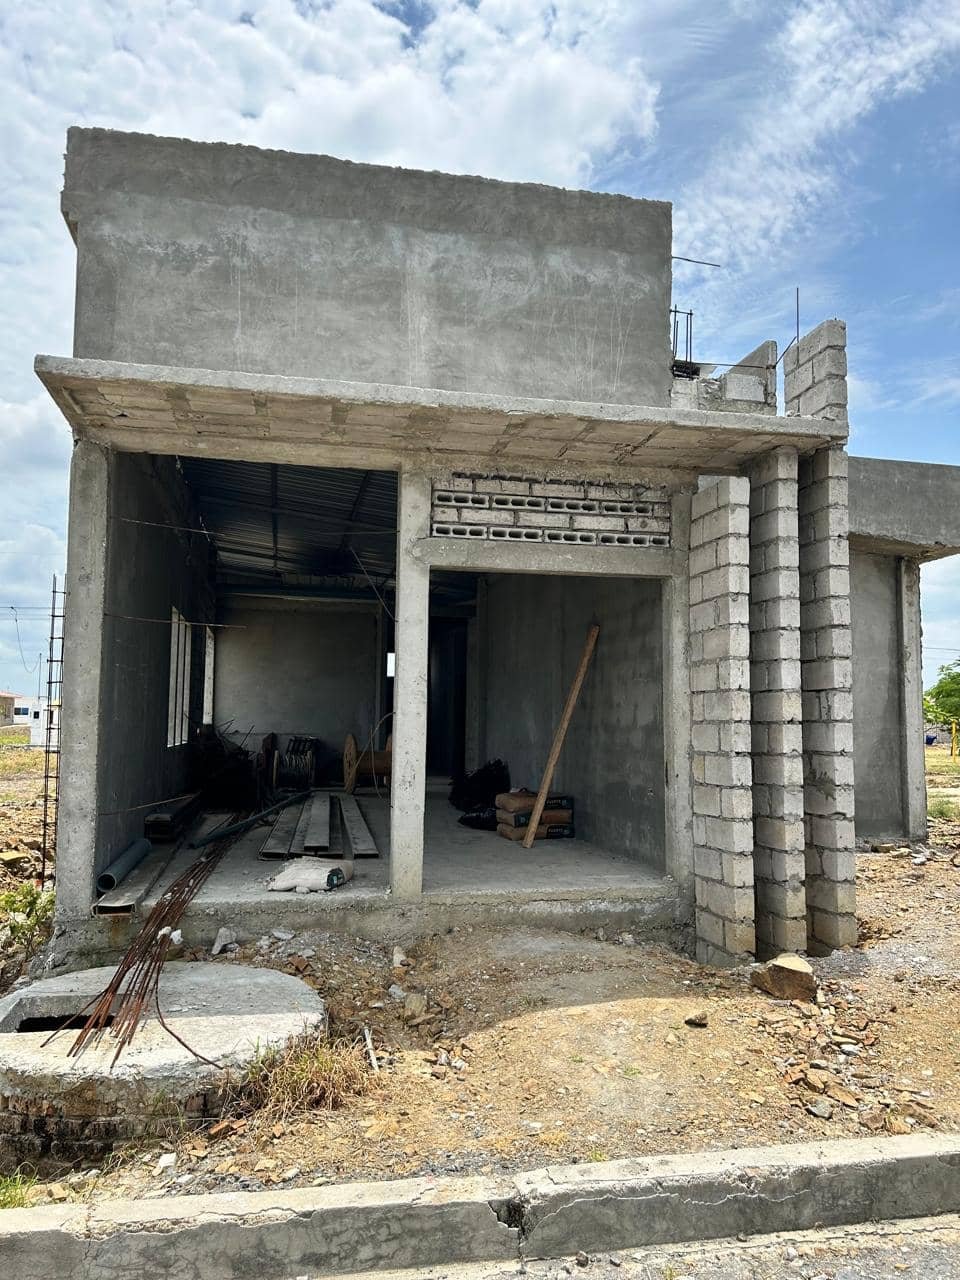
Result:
{"points": [[812, 144]]}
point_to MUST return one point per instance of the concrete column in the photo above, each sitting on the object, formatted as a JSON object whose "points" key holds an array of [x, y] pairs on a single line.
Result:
{"points": [[409, 775], [720, 713], [778, 853], [678, 798], [827, 684], [914, 765], [80, 726]]}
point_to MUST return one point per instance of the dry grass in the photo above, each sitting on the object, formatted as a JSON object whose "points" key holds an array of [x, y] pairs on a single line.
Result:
{"points": [[12, 735], [14, 1188], [308, 1074], [15, 762], [942, 807]]}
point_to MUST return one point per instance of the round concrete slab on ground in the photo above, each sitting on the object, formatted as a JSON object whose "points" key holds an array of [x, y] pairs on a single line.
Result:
{"points": [[226, 1014]]}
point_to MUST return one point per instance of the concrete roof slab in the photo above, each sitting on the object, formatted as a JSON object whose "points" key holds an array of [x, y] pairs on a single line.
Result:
{"points": [[905, 508], [162, 409]]}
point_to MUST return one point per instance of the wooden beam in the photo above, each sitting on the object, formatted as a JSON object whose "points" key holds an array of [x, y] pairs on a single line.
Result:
{"points": [[561, 733]]}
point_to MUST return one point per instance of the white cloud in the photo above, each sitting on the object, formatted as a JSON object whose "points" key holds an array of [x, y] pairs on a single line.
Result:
{"points": [[772, 198]]}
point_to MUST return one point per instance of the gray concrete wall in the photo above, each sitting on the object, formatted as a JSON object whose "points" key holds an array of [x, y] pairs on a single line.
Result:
{"points": [[877, 703], [295, 668], [906, 508], [612, 761], [228, 257], [149, 570]]}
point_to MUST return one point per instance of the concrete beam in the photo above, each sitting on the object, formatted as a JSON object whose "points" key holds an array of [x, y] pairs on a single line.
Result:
{"points": [[480, 556], [409, 774], [85, 605]]}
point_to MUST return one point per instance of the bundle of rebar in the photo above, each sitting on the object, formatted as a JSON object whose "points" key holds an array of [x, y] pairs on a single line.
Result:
{"points": [[135, 985], [136, 982]]}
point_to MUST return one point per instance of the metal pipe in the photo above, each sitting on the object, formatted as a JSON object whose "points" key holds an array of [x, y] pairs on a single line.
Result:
{"points": [[121, 866]]}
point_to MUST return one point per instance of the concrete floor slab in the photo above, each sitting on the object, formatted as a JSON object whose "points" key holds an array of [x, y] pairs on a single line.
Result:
{"points": [[457, 861]]}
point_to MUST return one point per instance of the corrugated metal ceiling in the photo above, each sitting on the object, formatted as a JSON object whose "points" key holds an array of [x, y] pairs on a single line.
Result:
{"points": [[281, 525]]}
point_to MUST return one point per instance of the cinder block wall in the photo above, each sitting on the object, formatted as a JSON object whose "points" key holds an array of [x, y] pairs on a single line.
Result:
{"points": [[778, 857], [827, 682], [720, 713]]}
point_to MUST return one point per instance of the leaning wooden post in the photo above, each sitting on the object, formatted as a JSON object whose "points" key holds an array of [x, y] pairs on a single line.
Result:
{"points": [[559, 736]]}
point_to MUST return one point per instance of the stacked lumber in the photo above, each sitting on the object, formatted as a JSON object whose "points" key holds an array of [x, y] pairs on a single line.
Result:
{"points": [[515, 810]]}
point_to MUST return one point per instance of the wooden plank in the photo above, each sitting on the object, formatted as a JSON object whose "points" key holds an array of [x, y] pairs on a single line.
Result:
{"points": [[278, 842], [318, 828], [357, 840], [297, 849], [588, 648]]}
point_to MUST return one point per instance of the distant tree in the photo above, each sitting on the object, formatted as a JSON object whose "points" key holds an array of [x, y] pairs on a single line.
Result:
{"points": [[941, 702]]}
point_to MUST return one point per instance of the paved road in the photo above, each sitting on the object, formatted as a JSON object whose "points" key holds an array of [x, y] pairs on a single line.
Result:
{"points": [[918, 1249]]}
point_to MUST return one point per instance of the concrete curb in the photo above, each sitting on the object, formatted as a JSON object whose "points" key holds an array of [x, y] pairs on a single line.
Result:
{"points": [[424, 1222]]}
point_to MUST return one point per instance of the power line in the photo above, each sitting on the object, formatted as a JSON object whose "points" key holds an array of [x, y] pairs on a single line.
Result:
{"points": [[28, 670]]}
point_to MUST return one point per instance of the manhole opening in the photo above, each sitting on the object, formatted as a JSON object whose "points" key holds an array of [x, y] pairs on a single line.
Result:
{"points": [[54, 1022]]}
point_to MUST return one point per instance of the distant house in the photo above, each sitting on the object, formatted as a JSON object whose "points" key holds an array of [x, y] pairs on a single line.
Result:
{"points": [[34, 714], [6, 708]]}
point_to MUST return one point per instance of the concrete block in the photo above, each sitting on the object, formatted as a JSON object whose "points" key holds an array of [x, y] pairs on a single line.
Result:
{"points": [[728, 771], [736, 802], [703, 676], [727, 704], [704, 501], [827, 736], [703, 558], [709, 927], [826, 399], [789, 864], [739, 938], [839, 863], [729, 835], [737, 870], [707, 864], [832, 896], [706, 800], [782, 643], [736, 737], [788, 901], [834, 837], [819, 614], [831, 463], [833, 673], [727, 642], [733, 611], [831, 930], [706, 737]]}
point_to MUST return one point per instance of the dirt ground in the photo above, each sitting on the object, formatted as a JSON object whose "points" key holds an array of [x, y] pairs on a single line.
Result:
{"points": [[21, 808], [508, 1050]]}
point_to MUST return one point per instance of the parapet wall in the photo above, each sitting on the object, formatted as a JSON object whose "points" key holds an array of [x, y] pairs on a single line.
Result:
{"points": [[226, 257]]}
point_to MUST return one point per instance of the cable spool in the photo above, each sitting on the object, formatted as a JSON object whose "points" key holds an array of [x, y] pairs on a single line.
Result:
{"points": [[363, 768], [294, 767]]}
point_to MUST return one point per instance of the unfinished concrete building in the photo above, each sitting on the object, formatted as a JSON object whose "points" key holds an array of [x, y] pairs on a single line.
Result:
{"points": [[366, 451]]}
